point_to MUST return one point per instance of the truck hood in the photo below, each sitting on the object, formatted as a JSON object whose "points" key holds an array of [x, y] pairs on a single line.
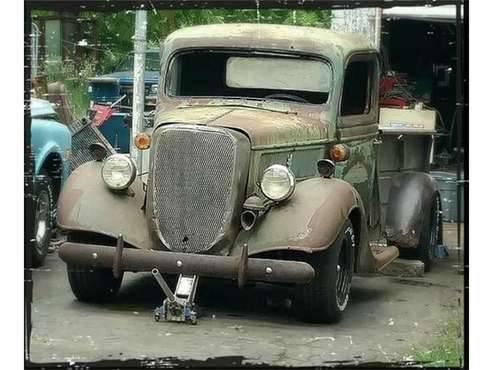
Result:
{"points": [[42, 108], [127, 77], [264, 127]]}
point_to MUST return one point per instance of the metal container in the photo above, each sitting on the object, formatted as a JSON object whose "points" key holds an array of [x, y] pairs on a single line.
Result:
{"points": [[447, 183]]}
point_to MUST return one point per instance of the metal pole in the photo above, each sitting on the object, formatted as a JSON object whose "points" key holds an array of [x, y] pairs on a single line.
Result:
{"points": [[378, 28], [459, 107], [139, 84], [34, 49]]}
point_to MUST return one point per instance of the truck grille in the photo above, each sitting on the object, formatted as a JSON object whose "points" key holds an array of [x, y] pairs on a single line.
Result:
{"points": [[83, 135], [193, 186]]}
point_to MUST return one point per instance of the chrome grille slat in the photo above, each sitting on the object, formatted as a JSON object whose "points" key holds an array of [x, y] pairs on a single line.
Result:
{"points": [[193, 178]]}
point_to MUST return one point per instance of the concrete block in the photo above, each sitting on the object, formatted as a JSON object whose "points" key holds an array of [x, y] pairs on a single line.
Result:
{"points": [[405, 268]]}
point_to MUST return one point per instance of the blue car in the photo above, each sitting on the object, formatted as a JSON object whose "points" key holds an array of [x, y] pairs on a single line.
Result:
{"points": [[109, 88], [51, 143]]}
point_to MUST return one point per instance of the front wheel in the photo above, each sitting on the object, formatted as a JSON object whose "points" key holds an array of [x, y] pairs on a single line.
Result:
{"points": [[93, 284], [326, 297]]}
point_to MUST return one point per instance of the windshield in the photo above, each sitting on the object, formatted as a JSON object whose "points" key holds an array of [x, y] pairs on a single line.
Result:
{"points": [[223, 74], [152, 62]]}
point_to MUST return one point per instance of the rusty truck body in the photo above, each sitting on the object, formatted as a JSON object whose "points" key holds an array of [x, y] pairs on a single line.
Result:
{"points": [[263, 165]]}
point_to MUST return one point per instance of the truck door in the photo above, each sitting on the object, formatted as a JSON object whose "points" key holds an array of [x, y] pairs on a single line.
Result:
{"points": [[357, 129]]}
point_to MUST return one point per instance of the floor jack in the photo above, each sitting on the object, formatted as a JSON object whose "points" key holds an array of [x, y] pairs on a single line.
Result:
{"points": [[178, 306]]}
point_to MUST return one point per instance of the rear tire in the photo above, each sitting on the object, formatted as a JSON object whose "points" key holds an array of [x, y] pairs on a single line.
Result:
{"points": [[91, 284], [326, 297], [430, 234]]}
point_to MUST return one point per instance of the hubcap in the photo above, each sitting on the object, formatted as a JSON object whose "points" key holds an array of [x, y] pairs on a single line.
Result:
{"points": [[42, 218]]}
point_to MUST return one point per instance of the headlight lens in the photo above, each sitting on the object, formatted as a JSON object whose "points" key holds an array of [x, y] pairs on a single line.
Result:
{"points": [[277, 183], [118, 171]]}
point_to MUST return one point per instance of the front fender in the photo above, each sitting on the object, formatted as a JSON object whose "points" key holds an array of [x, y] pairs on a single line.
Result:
{"points": [[86, 204], [49, 137], [43, 153], [310, 221], [411, 194]]}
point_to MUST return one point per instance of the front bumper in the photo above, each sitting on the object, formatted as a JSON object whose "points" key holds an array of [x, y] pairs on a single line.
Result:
{"points": [[240, 268]]}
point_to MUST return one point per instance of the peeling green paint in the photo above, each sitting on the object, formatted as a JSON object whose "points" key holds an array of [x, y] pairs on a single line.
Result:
{"points": [[359, 168]]}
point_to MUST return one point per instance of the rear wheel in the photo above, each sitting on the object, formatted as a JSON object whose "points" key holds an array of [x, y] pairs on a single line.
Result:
{"points": [[43, 219], [430, 235], [90, 284], [326, 297]]}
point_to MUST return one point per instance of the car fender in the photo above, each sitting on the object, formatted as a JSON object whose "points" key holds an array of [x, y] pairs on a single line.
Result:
{"points": [[49, 137], [310, 221], [87, 204], [410, 197]]}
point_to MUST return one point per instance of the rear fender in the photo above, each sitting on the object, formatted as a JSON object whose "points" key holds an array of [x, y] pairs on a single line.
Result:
{"points": [[86, 204], [411, 194], [310, 221]]}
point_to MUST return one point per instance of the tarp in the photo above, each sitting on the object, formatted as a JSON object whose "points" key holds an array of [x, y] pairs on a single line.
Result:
{"points": [[445, 13]]}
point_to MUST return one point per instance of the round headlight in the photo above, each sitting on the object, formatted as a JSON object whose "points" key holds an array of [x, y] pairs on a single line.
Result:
{"points": [[277, 182], [118, 171]]}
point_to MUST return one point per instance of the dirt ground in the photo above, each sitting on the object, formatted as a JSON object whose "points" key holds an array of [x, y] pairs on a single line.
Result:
{"points": [[385, 318]]}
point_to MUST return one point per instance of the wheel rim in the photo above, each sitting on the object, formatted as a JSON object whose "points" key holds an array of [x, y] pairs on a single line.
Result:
{"points": [[42, 219], [343, 275]]}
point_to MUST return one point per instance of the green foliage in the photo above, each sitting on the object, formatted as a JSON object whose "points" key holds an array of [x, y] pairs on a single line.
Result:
{"points": [[116, 32], [116, 29], [76, 81], [447, 348]]}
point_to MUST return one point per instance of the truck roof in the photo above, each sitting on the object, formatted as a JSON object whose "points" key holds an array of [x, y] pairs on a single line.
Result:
{"points": [[270, 37]]}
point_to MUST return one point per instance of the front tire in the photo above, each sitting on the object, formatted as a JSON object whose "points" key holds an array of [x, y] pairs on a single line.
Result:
{"points": [[91, 284], [326, 297], [43, 219]]}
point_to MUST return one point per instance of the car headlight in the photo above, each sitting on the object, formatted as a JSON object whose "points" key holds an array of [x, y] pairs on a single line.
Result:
{"points": [[277, 182], [118, 171]]}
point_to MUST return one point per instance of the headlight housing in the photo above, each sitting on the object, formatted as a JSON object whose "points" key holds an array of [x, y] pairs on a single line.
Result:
{"points": [[118, 171], [278, 182]]}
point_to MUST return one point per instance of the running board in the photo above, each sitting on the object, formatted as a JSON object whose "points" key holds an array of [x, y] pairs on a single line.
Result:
{"points": [[384, 255]]}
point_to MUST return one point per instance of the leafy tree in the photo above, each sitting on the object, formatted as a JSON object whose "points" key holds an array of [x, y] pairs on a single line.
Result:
{"points": [[116, 29], [116, 32]]}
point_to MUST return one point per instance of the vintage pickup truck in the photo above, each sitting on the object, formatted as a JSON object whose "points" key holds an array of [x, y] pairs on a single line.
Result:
{"points": [[117, 86], [266, 163]]}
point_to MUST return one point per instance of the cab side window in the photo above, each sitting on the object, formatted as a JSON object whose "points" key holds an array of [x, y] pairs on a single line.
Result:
{"points": [[356, 95]]}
